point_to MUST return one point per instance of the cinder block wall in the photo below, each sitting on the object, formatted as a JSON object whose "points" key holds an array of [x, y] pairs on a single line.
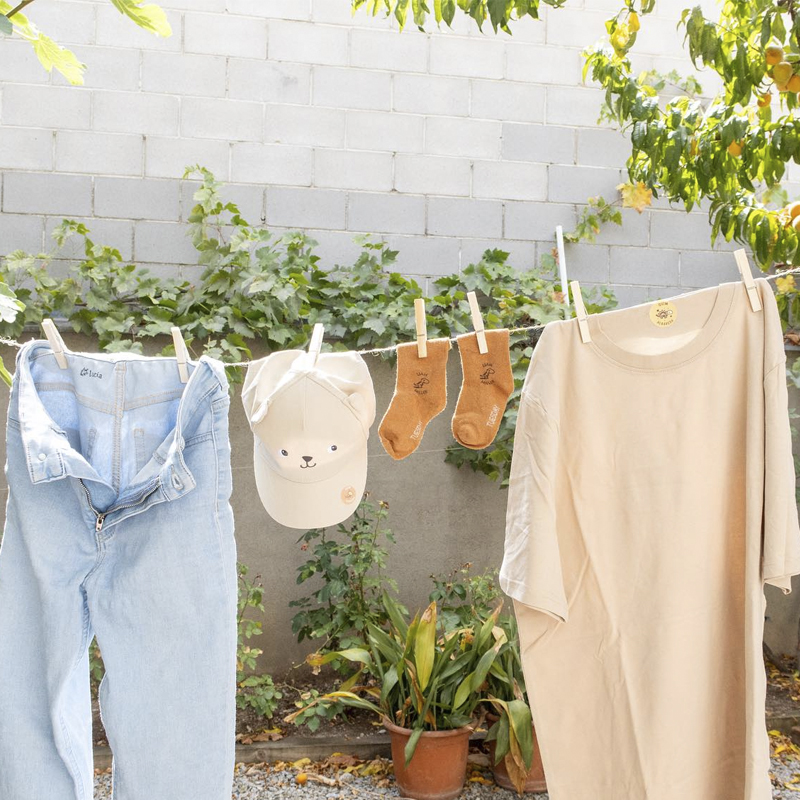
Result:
{"points": [[444, 143]]}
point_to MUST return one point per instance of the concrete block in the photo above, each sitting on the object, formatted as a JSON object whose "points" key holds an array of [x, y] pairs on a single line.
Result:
{"points": [[271, 9], [233, 120], [645, 266], [531, 63], [352, 88], [388, 50], [504, 100], [99, 153], [677, 228], [195, 5], [449, 136], [67, 22], [116, 30], [47, 193], [424, 94], [309, 43], [469, 57], [449, 216], [353, 169], [335, 13], [603, 147], [184, 74], [537, 221], [21, 232], [271, 163], [106, 68], [18, 59], [569, 184], [509, 180], [380, 130], [628, 296], [432, 175], [225, 35], [305, 208], [168, 157], [26, 148], [573, 105], [547, 144], [46, 106], [268, 81], [426, 255], [634, 231], [386, 213], [136, 198], [576, 27], [163, 242], [700, 269], [132, 112], [309, 125], [587, 262]]}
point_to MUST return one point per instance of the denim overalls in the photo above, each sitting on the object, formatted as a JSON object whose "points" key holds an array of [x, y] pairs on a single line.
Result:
{"points": [[118, 525]]}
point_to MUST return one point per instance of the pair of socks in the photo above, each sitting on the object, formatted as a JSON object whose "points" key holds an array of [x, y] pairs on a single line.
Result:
{"points": [[421, 393]]}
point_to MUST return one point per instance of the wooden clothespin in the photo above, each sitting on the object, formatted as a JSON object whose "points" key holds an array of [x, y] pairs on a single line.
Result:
{"points": [[181, 353], [315, 345], [580, 311], [477, 322], [422, 327], [562, 262], [56, 342], [747, 276]]}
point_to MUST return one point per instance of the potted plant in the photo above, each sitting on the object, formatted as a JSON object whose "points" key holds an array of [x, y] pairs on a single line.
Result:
{"points": [[425, 684], [513, 749]]}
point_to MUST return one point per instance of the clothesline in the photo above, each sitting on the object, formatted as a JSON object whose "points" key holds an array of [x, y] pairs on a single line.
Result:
{"points": [[378, 350]]}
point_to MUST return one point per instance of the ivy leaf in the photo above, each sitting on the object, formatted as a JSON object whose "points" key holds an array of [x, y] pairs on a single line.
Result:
{"points": [[148, 16], [51, 54]]}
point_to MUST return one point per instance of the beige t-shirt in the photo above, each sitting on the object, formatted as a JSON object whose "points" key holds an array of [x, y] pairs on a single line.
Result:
{"points": [[652, 493]]}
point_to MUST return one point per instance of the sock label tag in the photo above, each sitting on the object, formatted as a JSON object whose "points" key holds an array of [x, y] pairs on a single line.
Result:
{"points": [[486, 375]]}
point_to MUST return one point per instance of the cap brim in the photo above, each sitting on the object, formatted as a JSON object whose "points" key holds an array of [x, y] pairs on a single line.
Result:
{"points": [[311, 505]]}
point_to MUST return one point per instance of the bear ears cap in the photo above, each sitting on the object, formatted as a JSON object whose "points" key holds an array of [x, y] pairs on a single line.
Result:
{"points": [[311, 420]]}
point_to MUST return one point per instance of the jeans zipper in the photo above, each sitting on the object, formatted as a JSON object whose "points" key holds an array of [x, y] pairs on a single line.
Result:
{"points": [[102, 516]]}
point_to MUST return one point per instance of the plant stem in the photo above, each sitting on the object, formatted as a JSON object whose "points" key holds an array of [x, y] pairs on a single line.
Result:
{"points": [[18, 8]]}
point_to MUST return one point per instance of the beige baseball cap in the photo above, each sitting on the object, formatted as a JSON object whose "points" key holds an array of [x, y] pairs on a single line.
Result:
{"points": [[311, 415]]}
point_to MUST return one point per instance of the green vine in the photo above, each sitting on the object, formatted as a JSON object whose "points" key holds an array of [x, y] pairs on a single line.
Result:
{"points": [[265, 291]]}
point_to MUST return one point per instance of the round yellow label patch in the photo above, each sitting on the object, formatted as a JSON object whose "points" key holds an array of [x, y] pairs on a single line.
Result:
{"points": [[348, 494], [663, 313]]}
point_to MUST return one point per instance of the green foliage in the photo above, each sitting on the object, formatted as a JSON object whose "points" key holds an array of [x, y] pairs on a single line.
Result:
{"points": [[255, 691], [256, 288], [499, 13], [52, 56], [463, 596], [596, 213], [350, 566], [420, 676], [96, 667], [728, 150], [311, 712]]}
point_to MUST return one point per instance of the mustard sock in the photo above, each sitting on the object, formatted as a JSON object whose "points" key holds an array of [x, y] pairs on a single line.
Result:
{"points": [[420, 394], [486, 386]]}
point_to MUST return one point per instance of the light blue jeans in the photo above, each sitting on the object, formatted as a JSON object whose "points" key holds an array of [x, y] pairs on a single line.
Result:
{"points": [[118, 525]]}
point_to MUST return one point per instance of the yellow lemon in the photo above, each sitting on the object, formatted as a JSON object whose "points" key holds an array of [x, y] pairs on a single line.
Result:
{"points": [[793, 209], [735, 148], [764, 100]]}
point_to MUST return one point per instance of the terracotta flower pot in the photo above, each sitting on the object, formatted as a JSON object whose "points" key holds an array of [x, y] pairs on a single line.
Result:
{"points": [[535, 781], [438, 769]]}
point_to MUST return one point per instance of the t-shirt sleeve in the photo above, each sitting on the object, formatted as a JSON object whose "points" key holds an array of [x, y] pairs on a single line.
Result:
{"points": [[531, 570], [781, 532]]}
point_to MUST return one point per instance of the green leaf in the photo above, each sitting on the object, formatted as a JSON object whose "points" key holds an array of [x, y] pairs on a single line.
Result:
{"points": [[146, 15], [411, 745], [51, 54]]}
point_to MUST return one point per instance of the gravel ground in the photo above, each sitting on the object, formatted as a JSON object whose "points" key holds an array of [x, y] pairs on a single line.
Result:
{"points": [[260, 783]]}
